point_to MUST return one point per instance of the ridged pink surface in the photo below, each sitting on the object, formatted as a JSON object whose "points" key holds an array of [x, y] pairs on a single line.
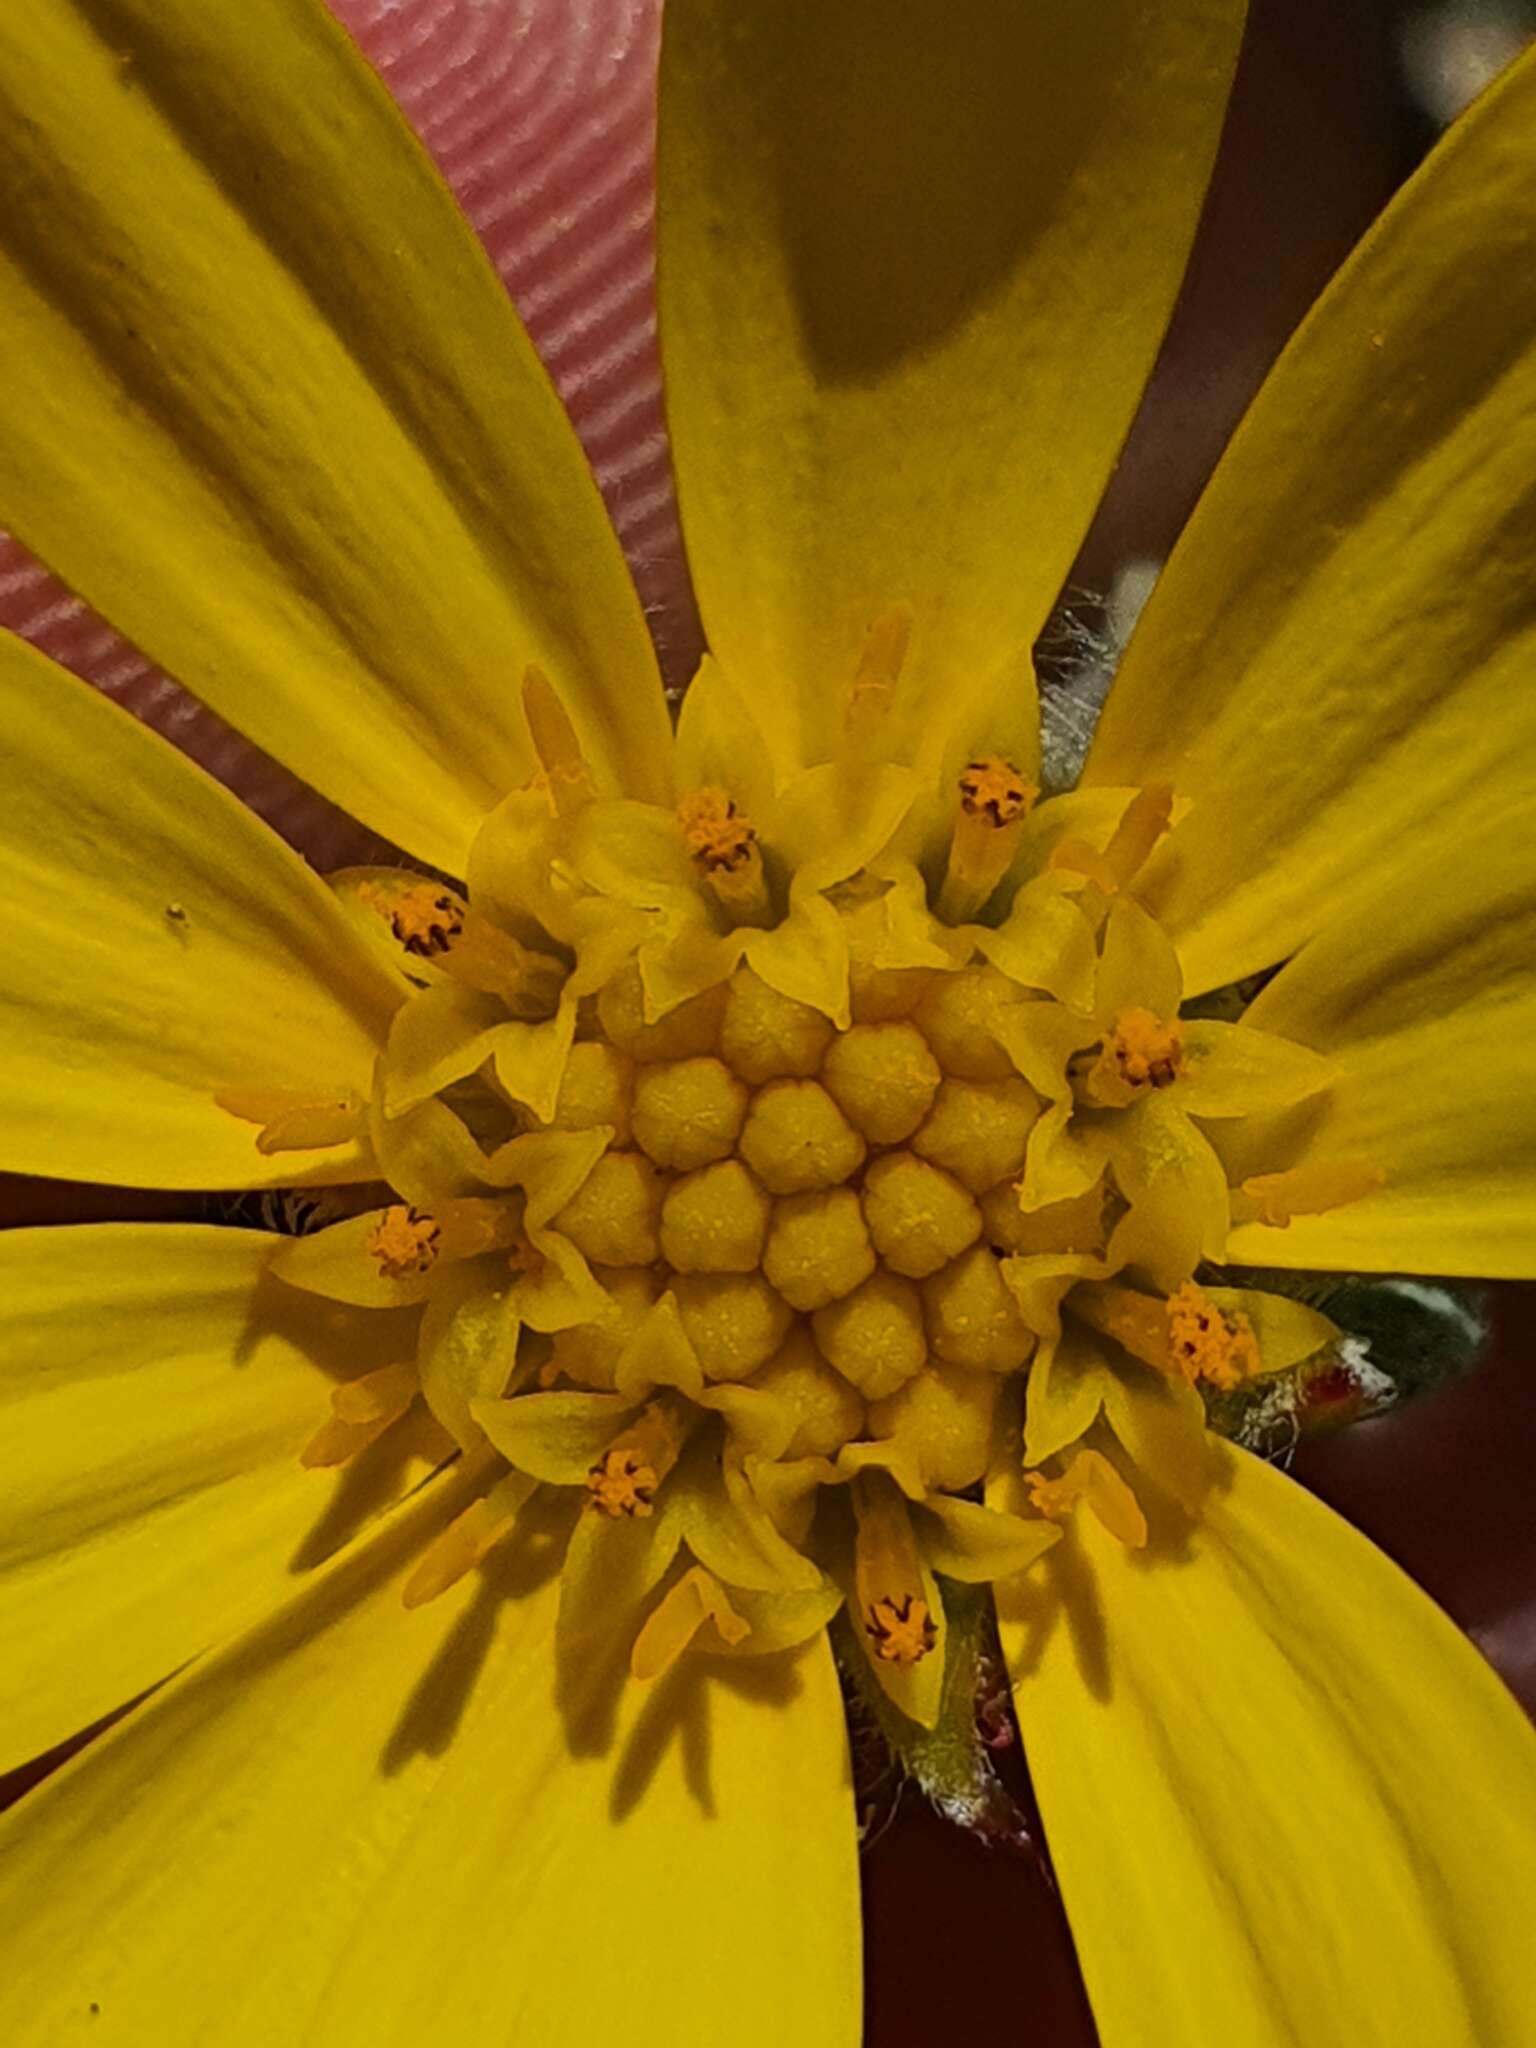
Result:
{"points": [[541, 114]]}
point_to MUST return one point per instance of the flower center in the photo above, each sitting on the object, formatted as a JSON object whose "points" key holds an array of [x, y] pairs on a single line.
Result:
{"points": [[797, 1179], [739, 1216]]}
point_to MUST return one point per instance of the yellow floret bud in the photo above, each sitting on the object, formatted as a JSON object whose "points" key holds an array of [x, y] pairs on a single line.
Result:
{"points": [[589, 1352], [944, 1418], [692, 1027], [1076, 1225], [713, 1221], [883, 1078], [959, 1017], [979, 1130], [827, 1411], [686, 1113], [874, 1336], [734, 1321], [765, 1036], [973, 1320], [879, 995], [595, 1089], [614, 1216], [818, 1247], [796, 1138], [919, 1217]]}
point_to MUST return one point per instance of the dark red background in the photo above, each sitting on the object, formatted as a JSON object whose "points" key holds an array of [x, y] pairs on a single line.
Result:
{"points": [[541, 113]]}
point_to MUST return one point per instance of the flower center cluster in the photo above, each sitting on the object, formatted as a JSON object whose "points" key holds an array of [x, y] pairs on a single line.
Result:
{"points": [[814, 1200], [804, 1300]]}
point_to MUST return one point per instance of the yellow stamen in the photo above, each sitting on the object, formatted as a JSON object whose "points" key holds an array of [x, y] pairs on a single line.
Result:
{"points": [[1146, 818], [376, 1396], [292, 1122], [1090, 1477], [467, 1539], [902, 1631], [566, 779], [1206, 1342], [1142, 824], [1309, 1190], [723, 843], [361, 1411], [405, 1240], [1139, 1052], [697, 1597], [880, 665], [995, 800]]}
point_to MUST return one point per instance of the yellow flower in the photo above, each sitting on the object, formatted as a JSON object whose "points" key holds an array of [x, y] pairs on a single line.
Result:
{"points": [[780, 1169]]}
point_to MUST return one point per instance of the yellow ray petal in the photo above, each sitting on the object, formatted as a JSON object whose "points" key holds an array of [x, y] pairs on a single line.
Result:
{"points": [[1338, 647], [235, 295], [1288, 1802], [1423, 996], [371, 1829], [153, 1418], [905, 327], [161, 946]]}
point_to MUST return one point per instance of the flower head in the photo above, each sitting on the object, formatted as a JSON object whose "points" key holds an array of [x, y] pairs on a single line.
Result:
{"points": [[785, 1168]]}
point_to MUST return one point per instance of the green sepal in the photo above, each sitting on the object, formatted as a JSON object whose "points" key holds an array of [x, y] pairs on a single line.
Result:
{"points": [[948, 1762]]}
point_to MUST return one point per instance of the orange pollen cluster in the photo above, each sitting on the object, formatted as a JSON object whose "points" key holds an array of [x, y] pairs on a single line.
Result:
{"points": [[1206, 1343], [425, 920], [622, 1483], [994, 789], [718, 835], [404, 1241], [1147, 1053], [1053, 1498], [902, 1631], [523, 1255]]}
